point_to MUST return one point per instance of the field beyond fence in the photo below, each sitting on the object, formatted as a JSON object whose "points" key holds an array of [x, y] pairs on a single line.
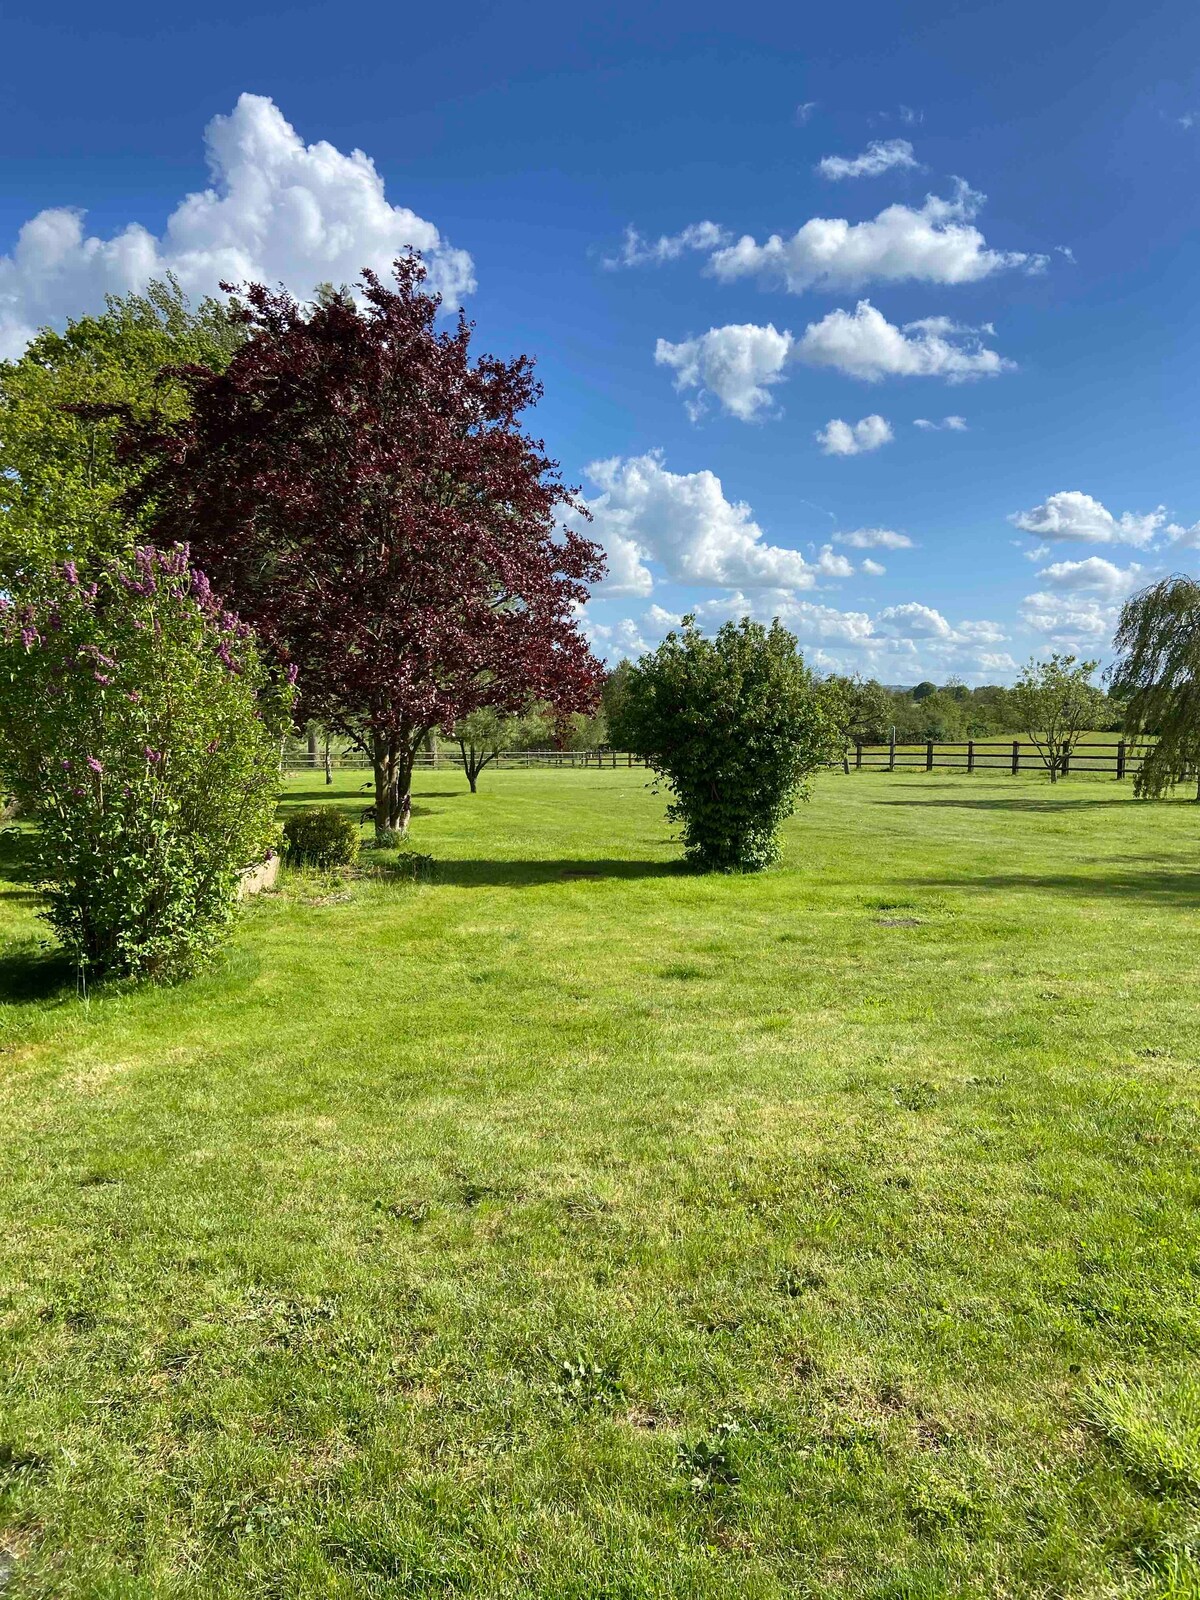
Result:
{"points": [[1117, 758]]}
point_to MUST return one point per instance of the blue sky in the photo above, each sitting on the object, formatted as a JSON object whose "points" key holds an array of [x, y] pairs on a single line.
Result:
{"points": [[1044, 298]]}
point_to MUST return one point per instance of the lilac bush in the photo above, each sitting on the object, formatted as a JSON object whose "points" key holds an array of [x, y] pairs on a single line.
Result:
{"points": [[141, 730]]}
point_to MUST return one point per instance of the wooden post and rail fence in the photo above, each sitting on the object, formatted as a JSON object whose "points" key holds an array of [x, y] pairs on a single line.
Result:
{"points": [[1117, 758]]}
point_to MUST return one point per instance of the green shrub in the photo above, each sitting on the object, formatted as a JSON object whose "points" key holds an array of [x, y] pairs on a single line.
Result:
{"points": [[321, 836], [735, 725], [141, 731]]}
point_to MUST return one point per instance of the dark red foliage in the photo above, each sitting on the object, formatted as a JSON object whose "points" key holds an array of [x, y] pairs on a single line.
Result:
{"points": [[363, 493]]}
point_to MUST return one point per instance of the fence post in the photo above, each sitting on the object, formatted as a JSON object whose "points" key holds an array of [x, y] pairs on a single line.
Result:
{"points": [[858, 755], [892, 754], [929, 755], [970, 755], [1066, 762], [1016, 759], [1120, 760]]}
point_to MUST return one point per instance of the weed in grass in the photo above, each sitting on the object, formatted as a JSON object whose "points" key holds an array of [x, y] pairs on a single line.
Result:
{"points": [[711, 1461], [589, 1385]]}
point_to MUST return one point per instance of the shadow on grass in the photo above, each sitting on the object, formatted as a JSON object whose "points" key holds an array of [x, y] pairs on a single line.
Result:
{"points": [[30, 975], [18, 864], [354, 805], [1044, 805], [534, 874], [1158, 885]]}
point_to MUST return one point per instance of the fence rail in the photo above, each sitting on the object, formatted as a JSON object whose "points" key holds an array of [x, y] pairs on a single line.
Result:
{"points": [[1120, 758], [449, 759]]}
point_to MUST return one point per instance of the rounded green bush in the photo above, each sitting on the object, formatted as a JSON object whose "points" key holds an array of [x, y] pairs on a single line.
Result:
{"points": [[321, 836]]}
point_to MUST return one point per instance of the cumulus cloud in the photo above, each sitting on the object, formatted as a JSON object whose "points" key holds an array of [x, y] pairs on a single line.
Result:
{"points": [[804, 112], [947, 424], [1070, 514], [898, 641], [881, 155], [685, 523], [838, 438], [863, 344], [637, 251], [276, 210], [737, 364], [1066, 619], [874, 539], [1093, 575], [873, 569], [935, 243]]}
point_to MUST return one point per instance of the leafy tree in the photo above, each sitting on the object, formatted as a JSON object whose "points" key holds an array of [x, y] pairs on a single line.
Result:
{"points": [[485, 734], [363, 491], [924, 689], [614, 694], [735, 725], [855, 709], [140, 728], [61, 481], [1056, 701], [1157, 674]]}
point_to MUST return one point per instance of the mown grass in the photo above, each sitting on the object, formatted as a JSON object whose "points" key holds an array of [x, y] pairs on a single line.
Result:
{"points": [[572, 1226]]}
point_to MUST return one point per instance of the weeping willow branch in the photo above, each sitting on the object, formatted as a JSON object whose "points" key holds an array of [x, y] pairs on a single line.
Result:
{"points": [[1158, 673]]}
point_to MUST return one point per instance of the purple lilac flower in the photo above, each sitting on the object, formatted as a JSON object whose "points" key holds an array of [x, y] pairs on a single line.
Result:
{"points": [[152, 755], [134, 696], [96, 766], [70, 573]]}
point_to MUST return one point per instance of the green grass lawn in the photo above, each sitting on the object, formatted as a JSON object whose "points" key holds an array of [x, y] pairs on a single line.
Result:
{"points": [[571, 1226]]}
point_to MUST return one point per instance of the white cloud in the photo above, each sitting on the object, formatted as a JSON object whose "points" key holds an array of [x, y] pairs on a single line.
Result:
{"points": [[1093, 575], [947, 424], [933, 244], [874, 539], [1070, 514], [864, 344], [881, 155], [831, 565], [838, 438], [897, 643], [684, 522], [637, 251], [738, 364], [277, 210], [873, 569], [1079, 620], [804, 112]]}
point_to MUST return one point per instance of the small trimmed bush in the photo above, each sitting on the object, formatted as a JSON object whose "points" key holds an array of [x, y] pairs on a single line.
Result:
{"points": [[321, 836], [735, 725]]}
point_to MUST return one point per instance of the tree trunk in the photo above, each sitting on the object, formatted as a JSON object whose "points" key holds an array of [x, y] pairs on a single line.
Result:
{"points": [[328, 762], [392, 760], [473, 779], [312, 746]]}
